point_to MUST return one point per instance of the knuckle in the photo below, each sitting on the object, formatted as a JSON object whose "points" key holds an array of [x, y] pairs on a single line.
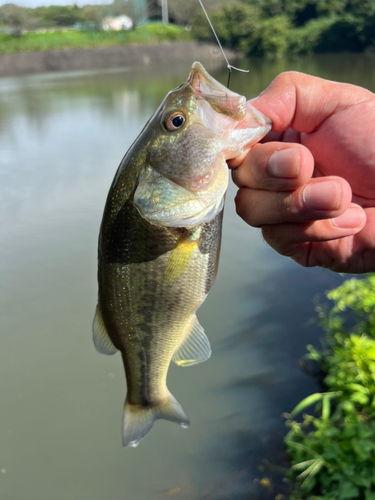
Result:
{"points": [[240, 202], [281, 238], [285, 78], [274, 235], [285, 206], [246, 206]]}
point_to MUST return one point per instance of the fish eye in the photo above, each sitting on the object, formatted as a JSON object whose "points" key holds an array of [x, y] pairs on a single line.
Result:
{"points": [[175, 120]]}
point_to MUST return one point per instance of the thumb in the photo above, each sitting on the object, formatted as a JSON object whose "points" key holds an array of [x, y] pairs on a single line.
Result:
{"points": [[303, 102]]}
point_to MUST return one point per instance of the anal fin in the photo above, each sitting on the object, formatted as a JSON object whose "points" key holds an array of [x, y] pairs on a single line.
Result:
{"points": [[195, 348], [102, 341]]}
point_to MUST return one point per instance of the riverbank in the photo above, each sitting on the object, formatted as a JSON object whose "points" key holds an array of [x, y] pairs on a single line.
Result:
{"points": [[106, 57]]}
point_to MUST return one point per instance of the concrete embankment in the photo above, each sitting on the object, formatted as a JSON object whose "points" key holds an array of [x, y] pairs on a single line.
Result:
{"points": [[106, 57]]}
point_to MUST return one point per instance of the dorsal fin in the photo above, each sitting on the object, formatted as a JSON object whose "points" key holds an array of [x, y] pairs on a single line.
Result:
{"points": [[195, 348], [102, 342]]}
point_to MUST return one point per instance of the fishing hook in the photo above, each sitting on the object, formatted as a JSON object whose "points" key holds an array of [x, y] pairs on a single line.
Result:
{"points": [[229, 66]]}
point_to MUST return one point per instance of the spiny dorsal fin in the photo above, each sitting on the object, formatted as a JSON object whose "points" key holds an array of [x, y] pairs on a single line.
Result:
{"points": [[102, 342], [195, 348]]}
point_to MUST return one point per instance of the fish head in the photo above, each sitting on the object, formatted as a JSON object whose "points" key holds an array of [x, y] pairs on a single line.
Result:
{"points": [[199, 122], [198, 126]]}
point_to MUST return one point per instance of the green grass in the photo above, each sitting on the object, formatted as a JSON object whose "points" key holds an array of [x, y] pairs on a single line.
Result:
{"points": [[68, 39]]}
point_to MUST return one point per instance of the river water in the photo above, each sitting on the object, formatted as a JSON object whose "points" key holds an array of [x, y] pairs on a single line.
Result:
{"points": [[61, 139]]}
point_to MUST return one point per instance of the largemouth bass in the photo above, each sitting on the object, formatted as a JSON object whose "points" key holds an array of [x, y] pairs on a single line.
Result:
{"points": [[160, 238]]}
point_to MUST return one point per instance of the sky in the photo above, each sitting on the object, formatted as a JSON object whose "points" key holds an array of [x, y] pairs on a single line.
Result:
{"points": [[38, 3]]}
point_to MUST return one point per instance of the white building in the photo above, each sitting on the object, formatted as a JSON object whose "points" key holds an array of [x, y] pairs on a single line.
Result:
{"points": [[117, 23]]}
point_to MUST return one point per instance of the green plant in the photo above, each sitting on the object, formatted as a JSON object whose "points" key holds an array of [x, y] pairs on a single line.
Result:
{"points": [[332, 449], [150, 33]]}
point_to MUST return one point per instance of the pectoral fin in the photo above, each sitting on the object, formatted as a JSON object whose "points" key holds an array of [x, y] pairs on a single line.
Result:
{"points": [[102, 342], [181, 255], [195, 348]]}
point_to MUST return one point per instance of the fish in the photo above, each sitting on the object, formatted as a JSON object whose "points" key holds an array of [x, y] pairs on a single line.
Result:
{"points": [[159, 241]]}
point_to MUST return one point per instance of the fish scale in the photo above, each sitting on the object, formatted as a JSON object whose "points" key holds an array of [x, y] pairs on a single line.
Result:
{"points": [[159, 241]]}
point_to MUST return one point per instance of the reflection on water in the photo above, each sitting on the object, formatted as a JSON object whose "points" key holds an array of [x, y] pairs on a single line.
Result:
{"points": [[61, 139]]}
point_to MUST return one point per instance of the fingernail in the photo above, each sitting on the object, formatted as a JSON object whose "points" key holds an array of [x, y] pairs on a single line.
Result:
{"points": [[284, 163], [322, 195], [353, 217]]}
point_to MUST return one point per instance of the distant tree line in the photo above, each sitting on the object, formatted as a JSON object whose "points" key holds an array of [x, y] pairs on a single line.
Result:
{"points": [[259, 27], [21, 18], [16, 18], [254, 27]]}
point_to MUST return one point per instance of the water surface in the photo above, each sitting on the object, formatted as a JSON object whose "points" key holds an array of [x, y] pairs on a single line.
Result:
{"points": [[61, 139]]}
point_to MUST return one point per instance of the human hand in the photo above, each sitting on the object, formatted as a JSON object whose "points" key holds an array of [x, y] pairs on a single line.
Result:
{"points": [[313, 191]]}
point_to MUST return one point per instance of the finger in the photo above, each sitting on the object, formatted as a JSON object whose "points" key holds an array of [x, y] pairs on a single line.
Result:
{"points": [[275, 166], [344, 244], [288, 135], [302, 102], [284, 237], [321, 198]]}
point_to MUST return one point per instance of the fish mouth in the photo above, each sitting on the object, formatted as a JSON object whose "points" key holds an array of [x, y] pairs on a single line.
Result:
{"points": [[250, 124], [202, 82], [254, 118], [248, 132], [220, 98]]}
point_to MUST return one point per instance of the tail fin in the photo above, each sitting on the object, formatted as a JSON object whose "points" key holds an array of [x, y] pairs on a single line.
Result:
{"points": [[138, 421]]}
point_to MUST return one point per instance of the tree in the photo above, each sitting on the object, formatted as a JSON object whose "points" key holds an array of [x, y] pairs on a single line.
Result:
{"points": [[64, 15], [13, 16]]}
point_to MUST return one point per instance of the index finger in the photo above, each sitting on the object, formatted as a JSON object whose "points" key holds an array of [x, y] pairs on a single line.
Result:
{"points": [[302, 102]]}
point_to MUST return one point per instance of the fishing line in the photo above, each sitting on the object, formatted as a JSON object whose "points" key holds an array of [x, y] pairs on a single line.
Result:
{"points": [[229, 66]]}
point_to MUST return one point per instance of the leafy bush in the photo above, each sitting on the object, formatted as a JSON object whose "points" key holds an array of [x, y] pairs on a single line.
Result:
{"points": [[258, 27], [237, 26], [274, 36], [310, 36], [333, 449], [242, 27]]}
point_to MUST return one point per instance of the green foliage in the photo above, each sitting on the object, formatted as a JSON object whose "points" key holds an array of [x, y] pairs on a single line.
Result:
{"points": [[253, 27], [275, 27], [59, 15], [12, 16], [151, 33], [237, 26], [332, 450], [241, 27], [274, 36], [353, 310], [182, 11], [305, 38]]}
